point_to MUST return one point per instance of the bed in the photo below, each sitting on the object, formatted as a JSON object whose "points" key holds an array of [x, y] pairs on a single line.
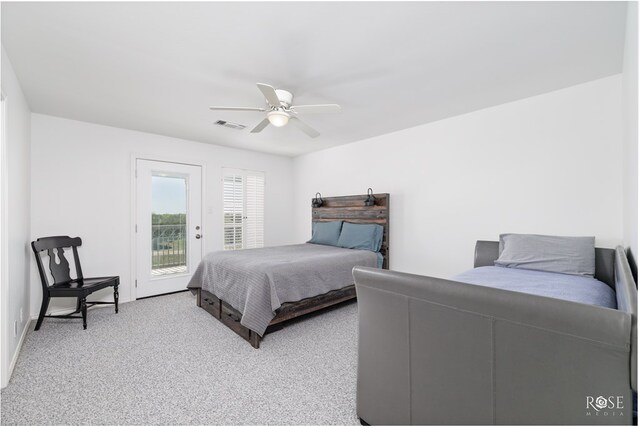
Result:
{"points": [[491, 347], [254, 291]]}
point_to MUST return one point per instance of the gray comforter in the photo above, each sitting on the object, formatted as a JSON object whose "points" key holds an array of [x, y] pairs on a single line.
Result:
{"points": [[256, 282]]}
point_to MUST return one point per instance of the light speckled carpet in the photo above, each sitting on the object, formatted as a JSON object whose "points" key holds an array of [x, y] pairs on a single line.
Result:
{"points": [[165, 361]]}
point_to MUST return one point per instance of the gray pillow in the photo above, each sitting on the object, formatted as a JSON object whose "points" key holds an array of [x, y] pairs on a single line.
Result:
{"points": [[326, 233], [564, 255], [361, 236]]}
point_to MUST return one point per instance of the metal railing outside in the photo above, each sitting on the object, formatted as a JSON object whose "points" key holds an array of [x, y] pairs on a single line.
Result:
{"points": [[168, 246]]}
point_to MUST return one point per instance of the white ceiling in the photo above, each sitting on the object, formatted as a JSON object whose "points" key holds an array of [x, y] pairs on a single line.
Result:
{"points": [[156, 67]]}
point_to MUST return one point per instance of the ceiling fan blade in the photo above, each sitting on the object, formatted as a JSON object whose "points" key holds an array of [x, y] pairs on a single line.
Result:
{"points": [[264, 123], [270, 93], [223, 108], [316, 109], [304, 127]]}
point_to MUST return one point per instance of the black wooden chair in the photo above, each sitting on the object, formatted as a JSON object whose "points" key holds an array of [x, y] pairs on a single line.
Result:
{"points": [[63, 285]]}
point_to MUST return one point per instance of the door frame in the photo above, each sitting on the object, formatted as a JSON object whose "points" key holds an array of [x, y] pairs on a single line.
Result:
{"points": [[134, 207], [5, 368]]}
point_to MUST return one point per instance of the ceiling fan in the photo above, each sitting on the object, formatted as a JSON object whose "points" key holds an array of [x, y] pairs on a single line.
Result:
{"points": [[280, 111]]}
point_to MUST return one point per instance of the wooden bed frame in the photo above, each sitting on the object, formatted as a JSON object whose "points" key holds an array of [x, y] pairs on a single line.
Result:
{"points": [[348, 209]]}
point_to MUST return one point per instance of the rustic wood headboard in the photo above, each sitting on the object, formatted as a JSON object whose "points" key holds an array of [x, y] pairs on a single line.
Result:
{"points": [[351, 208]]}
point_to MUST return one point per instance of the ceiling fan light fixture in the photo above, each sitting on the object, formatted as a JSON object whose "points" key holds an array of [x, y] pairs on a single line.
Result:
{"points": [[278, 118], [280, 110]]}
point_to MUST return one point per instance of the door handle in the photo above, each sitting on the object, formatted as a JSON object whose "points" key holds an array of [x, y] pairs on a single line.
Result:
{"points": [[198, 236]]}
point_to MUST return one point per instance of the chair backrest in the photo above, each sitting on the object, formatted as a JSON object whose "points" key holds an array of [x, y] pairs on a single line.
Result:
{"points": [[58, 263]]}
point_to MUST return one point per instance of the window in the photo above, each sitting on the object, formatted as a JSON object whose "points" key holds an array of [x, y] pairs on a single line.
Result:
{"points": [[243, 209]]}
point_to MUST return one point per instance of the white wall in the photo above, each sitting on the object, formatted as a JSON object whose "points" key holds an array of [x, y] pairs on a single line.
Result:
{"points": [[81, 186], [15, 295], [548, 164], [630, 108]]}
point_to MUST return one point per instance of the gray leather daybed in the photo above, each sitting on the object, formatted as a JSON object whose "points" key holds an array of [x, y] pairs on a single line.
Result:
{"points": [[435, 351]]}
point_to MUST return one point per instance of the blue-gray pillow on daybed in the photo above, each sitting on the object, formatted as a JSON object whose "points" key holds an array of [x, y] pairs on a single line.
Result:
{"points": [[326, 233], [564, 255], [361, 236]]}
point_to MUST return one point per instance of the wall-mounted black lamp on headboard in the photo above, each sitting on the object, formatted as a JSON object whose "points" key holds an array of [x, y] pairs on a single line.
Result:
{"points": [[371, 200], [318, 201]]}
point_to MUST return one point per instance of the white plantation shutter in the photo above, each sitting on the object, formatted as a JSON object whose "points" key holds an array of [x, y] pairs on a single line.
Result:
{"points": [[243, 209], [233, 210], [254, 207]]}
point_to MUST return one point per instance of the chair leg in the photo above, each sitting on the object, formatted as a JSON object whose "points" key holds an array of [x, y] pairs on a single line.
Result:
{"points": [[83, 307], [43, 310], [115, 296]]}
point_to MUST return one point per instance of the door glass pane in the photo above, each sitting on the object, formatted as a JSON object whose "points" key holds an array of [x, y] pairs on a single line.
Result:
{"points": [[168, 225]]}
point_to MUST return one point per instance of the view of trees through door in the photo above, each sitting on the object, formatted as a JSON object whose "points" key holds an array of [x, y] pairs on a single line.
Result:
{"points": [[169, 233]]}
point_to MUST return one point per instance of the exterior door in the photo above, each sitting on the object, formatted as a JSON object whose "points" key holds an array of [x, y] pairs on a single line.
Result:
{"points": [[168, 226]]}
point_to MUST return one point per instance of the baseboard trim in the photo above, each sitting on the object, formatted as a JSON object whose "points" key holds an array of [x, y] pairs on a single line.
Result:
{"points": [[164, 294], [14, 360]]}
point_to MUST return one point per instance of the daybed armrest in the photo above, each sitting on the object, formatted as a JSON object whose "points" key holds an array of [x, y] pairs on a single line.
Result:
{"points": [[486, 253], [627, 296], [428, 346]]}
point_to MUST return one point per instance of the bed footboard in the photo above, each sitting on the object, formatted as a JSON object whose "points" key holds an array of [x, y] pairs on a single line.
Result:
{"points": [[230, 317], [433, 351]]}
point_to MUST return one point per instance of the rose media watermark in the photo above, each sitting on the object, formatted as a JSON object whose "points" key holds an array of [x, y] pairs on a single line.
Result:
{"points": [[605, 406]]}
